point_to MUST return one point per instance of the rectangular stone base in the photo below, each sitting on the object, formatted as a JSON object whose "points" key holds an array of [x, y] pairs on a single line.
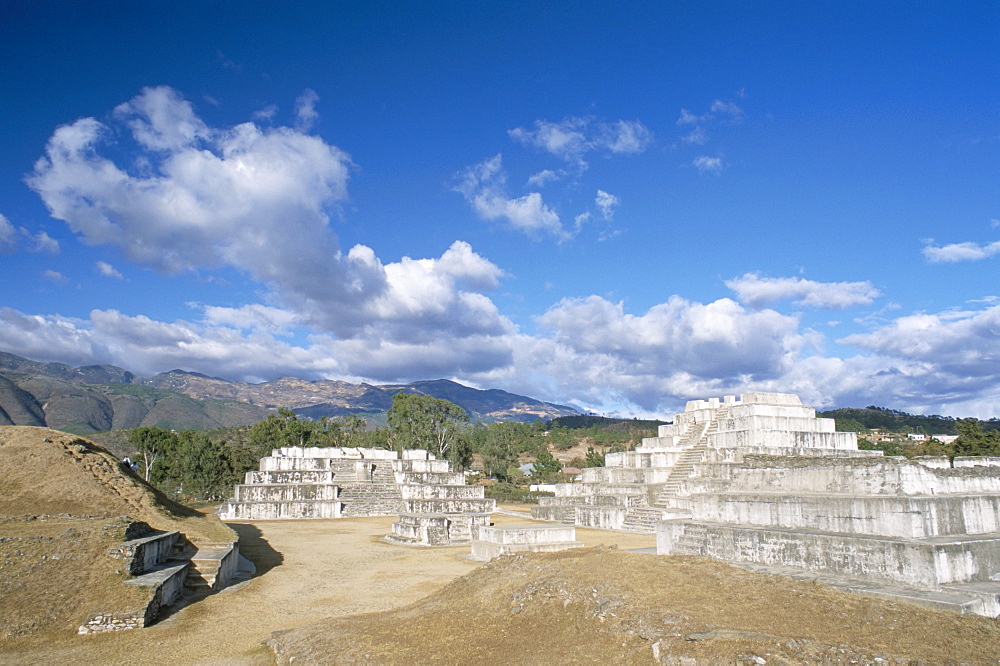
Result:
{"points": [[490, 542]]}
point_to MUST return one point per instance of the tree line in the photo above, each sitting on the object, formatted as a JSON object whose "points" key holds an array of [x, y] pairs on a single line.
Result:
{"points": [[206, 465]]}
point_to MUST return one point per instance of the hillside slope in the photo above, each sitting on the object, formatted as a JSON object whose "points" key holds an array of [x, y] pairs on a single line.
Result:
{"points": [[64, 502], [97, 398], [602, 605], [71, 405]]}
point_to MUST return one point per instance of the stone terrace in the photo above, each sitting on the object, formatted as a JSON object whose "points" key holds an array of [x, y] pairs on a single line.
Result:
{"points": [[317, 482], [761, 482]]}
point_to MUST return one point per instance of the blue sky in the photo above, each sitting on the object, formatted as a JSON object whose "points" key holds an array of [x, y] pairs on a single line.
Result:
{"points": [[618, 206]]}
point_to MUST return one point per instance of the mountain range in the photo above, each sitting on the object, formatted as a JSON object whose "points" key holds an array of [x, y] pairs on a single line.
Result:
{"points": [[97, 398]]}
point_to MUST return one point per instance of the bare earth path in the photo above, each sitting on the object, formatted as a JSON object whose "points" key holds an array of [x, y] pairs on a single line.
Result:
{"points": [[307, 570]]}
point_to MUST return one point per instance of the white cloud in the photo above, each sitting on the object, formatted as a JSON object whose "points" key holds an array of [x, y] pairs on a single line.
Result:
{"points": [[38, 242], [107, 270], [54, 276], [961, 252], [160, 119], [252, 317], [542, 177], [730, 109], [706, 164], [267, 113], [42, 242], [258, 200], [484, 187], [572, 138], [688, 118], [624, 137], [718, 339], [698, 137], [606, 203], [241, 344], [757, 291], [8, 233], [961, 343], [566, 140], [591, 352], [305, 110]]}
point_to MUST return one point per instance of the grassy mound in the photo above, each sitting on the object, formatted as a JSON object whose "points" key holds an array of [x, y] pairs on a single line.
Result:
{"points": [[65, 502]]}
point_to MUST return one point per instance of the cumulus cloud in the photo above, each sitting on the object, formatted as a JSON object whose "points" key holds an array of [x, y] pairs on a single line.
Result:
{"points": [[243, 344], [961, 343], [484, 187], [757, 292], [252, 317], [956, 252], [257, 200], [107, 270], [718, 339], [572, 138]]}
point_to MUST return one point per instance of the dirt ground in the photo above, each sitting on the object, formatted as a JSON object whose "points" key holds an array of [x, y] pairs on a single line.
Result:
{"points": [[307, 571]]}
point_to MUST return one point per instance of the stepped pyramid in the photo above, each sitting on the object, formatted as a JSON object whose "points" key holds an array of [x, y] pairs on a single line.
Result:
{"points": [[633, 491], [321, 482], [761, 482]]}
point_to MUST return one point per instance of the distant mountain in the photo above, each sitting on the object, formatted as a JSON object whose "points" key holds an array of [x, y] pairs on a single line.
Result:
{"points": [[316, 399], [81, 408], [104, 397], [87, 374]]}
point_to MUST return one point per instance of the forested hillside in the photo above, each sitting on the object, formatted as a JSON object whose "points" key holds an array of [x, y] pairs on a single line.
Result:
{"points": [[892, 420]]}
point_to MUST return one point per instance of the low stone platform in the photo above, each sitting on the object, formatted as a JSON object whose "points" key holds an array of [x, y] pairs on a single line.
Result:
{"points": [[491, 542], [436, 529]]}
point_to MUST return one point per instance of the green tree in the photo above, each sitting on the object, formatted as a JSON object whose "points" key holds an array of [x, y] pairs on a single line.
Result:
{"points": [[846, 424], [497, 447], [425, 422], [281, 429], [153, 443], [973, 441], [594, 458], [545, 465]]}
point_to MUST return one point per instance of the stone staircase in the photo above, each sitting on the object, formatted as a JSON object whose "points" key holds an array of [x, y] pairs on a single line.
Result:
{"points": [[643, 519], [371, 499], [691, 457], [208, 564], [692, 541], [149, 560]]}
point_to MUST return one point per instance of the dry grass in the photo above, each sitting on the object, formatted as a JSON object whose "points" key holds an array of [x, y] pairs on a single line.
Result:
{"points": [[64, 502], [603, 605]]}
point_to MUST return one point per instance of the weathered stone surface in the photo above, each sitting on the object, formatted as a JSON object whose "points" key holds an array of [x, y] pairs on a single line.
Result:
{"points": [[314, 482], [490, 542], [759, 480]]}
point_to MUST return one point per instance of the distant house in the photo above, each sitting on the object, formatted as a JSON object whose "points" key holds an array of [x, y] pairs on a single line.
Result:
{"points": [[528, 469], [572, 471], [917, 437]]}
